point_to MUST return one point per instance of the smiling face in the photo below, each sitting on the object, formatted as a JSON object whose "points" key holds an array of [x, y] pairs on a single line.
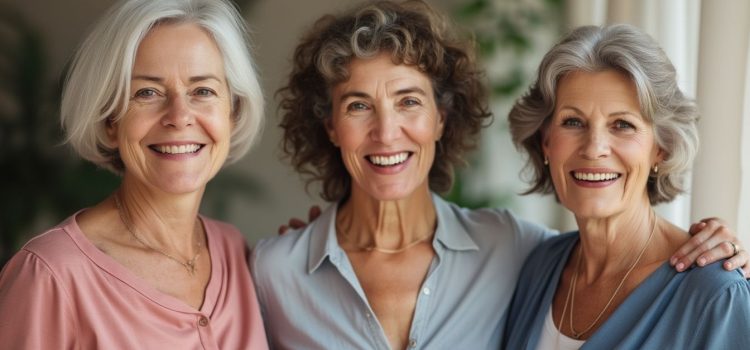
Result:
{"points": [[176, 132], [600, 148], [386, 122]]}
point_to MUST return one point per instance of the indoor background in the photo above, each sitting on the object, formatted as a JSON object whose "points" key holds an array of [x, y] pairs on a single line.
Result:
{"points": [[43, 182]]}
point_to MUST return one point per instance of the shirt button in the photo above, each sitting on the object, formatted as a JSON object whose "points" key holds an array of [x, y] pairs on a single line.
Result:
{"points": [[203, 321], [426, 291], [412, 343]]}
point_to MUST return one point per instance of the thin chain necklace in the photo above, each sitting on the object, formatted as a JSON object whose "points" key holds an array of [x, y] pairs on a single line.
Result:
{"points": [[386, 250], [189, 265], [571, 295]]}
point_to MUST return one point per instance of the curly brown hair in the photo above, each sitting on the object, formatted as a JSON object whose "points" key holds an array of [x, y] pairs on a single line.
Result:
{"points": [[415, 35]]}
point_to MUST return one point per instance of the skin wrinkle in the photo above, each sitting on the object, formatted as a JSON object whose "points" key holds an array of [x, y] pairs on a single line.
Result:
{"points": [[177, 110], [601, 144], [371, 118]]}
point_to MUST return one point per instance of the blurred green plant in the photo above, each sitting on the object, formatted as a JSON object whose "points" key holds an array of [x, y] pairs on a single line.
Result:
{"points": [[42, 180], [505, 32]]}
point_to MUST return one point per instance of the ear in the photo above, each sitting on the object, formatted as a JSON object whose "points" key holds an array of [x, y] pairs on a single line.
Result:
{"points": [[441, 124], [332, 135], [660, 155], [112, 128], [545, 141]]}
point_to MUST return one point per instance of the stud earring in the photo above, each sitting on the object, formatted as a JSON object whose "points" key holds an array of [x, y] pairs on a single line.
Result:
{"points": [[546, 161], [656, 169]]}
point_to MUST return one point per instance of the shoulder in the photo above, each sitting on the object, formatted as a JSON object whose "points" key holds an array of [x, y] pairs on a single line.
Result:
{"points": [[223, 230], [549, 253], [713, 281], [490, 220], [55, 247]]}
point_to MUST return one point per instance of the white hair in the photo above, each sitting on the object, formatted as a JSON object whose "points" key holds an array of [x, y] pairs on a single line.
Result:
{"points": [[97, 87]]}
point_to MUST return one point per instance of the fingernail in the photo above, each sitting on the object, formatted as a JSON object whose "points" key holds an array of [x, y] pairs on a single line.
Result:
{"points": [[702, 261], [680, 266]]}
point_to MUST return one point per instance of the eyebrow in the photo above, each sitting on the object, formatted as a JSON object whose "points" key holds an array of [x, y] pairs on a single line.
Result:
{"points": [[403, 91], [194, 79], [613, 114]]}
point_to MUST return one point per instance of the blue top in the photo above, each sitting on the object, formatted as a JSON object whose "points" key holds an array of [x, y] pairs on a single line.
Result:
{"points": [[311, 299], [702, 308]]}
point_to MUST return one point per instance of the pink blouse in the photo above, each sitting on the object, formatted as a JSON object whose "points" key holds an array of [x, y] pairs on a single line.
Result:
{"points": [[61, 292]]}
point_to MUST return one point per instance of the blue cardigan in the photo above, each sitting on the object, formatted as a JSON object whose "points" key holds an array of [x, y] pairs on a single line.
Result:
{"points": [[702, 308]]}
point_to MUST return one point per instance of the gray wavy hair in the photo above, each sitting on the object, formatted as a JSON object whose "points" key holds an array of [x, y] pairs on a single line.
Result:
{"points": [[97, 86], [626, 49]]}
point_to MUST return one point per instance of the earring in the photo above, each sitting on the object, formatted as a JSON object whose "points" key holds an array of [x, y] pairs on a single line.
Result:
{"points": [[656, 168], [546, 161]]}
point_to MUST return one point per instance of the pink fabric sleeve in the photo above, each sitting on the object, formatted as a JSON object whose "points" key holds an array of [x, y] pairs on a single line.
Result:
{"points": [[35, 311]]}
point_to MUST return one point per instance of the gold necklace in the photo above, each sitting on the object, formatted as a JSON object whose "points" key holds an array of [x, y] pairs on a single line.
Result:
{"points": [[189, 265], [571, 295], [386, 250]]}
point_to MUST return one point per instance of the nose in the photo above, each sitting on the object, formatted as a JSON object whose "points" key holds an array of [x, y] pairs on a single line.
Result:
{"points": [[387, 126], [596, 144], [178, 113]]}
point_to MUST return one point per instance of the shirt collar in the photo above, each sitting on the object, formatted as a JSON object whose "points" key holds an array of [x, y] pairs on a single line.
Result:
{"points": [[450, 233]]}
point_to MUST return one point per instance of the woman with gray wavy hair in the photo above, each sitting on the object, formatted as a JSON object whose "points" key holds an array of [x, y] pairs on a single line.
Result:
{"points": [[164, 93], [382, 103], [608, 130]]}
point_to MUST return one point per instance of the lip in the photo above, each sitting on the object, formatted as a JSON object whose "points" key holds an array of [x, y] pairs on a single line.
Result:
{"points": [[176, 156], [595, 184], [389, 170]]}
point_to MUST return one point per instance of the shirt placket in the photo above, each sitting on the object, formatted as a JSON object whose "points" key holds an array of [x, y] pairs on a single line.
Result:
{"points": [[424, 304]]}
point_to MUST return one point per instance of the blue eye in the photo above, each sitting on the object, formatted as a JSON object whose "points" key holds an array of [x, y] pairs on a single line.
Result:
{"points": [[621, 124], [145, 93], [572, 122]]}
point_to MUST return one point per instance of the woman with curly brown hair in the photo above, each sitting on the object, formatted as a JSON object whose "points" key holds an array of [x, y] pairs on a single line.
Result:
{"points": [[382, 103]]}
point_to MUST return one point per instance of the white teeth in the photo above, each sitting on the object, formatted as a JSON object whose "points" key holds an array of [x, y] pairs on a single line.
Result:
{"points": [[389, 160], [181, 149], [595, 176]]}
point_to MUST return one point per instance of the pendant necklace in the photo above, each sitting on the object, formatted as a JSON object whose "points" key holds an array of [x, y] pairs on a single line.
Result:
{"points": [[570, 298], [189, 265]]}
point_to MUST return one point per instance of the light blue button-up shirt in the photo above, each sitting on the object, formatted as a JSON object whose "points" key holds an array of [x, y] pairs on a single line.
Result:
{"points": [[311, 299]]}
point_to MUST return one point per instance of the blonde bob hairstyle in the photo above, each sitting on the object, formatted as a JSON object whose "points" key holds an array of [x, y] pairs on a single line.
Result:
{"points": [[96, 91], [626, 49]]}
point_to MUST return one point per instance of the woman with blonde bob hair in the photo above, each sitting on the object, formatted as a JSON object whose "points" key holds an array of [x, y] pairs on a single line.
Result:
{"points": [[165, 94], [608, 130]]}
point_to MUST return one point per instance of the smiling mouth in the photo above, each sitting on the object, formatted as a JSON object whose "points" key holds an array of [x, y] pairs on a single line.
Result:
{"points": [[389, 161], [174, 149], [595, 177]]}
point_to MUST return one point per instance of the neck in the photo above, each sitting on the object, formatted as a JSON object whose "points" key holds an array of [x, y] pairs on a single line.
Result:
{"points": [[365, 223], [166, 221], [610, 245]]}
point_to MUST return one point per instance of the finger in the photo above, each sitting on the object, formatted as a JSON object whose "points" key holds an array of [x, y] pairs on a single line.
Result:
{"points": [[720, 250], [738, 261], [295, 223], [696, 227], [693, 243], [313, 213], [283, 229]]}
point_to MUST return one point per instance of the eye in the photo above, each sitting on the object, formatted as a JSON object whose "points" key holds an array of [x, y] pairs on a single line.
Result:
{"points": [[356, 106], [204, 92], [410, 101], [572, 122], [623, 125], [145, 93]]}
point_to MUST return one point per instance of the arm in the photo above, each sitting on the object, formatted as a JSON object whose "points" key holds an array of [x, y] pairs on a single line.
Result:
{"points": [[35, 311], [710, 243]]}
